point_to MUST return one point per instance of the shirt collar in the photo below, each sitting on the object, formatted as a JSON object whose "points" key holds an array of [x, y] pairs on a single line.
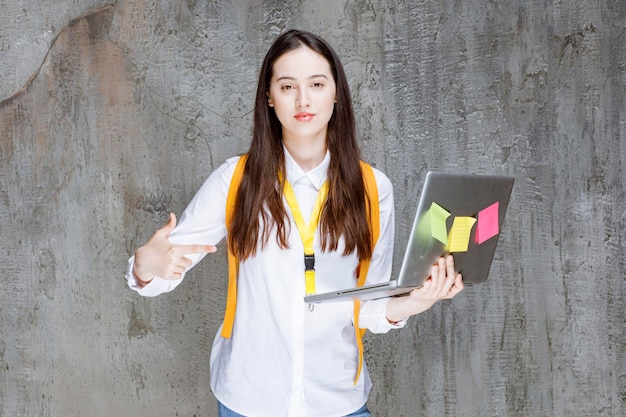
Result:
{"points": [[316, 176]]}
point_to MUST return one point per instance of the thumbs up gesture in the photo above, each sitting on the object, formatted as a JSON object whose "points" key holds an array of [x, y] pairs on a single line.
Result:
{"points": [[160, 257]]}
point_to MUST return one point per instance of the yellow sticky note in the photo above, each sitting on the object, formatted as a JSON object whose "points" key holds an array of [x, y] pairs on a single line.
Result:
{"points": [[460, 233], [438, 216]]}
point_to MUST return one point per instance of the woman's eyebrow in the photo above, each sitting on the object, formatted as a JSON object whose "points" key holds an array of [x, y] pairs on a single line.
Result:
{"points": [[286, 77]]}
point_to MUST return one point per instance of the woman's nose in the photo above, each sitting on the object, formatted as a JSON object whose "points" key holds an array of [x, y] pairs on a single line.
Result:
{"points": [[302, 98]]}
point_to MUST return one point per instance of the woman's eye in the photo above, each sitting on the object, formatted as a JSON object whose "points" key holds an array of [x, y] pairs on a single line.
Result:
{"points": [[318, 85], [287, 87]]}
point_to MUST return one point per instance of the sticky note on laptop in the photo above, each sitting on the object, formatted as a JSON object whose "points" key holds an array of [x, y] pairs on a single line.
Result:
{"points": [[438, 228], [488, 225], [460, 232]]}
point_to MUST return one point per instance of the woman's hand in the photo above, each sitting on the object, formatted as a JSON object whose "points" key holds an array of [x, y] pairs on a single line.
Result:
{"points": [[444, 283], [159, 257]]}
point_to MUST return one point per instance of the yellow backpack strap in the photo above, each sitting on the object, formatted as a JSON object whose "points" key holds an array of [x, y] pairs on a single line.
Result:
{"points": [[373, 216], [233, 264]]}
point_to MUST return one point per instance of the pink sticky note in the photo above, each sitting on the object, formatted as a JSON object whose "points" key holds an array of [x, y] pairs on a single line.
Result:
{"points": [[488, 223]]}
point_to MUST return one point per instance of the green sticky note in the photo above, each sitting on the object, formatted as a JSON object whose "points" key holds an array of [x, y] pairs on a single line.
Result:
{"points": [[438, 216]]}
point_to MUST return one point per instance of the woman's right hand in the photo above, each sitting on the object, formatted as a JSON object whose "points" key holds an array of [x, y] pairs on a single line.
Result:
{"points": [[160, 257]]}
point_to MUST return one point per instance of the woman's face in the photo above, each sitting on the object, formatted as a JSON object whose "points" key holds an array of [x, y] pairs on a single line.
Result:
{"points": [[302, 92]]}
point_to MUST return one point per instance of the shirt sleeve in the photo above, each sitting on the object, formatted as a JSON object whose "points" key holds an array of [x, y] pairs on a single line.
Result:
{"points": [[203, 223], [155, 287], [372, 315]]}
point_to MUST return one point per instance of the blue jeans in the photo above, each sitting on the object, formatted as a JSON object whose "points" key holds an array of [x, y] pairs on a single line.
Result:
{"points": [[222, 411]]}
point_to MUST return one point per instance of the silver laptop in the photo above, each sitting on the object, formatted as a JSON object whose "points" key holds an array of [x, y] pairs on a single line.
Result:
{"points": [[461, 214]]}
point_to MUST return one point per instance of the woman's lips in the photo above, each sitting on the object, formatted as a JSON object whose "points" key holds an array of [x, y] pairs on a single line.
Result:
{"points": [[304, 117]]}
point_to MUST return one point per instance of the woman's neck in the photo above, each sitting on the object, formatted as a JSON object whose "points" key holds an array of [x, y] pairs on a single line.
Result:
{"points": [[307, 154]]}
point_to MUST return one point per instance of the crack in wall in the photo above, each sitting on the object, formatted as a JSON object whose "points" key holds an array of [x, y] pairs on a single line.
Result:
{"points": [[35, 74]]}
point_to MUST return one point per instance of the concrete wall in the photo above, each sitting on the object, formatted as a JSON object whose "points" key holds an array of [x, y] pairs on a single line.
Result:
{"points": [[112, 115]]}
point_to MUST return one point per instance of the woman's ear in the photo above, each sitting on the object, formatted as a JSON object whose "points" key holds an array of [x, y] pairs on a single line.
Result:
{"points": [[270, 102]]}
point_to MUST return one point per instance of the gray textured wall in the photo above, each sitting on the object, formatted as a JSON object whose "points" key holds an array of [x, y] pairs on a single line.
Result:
{"points": [[112, 115]]}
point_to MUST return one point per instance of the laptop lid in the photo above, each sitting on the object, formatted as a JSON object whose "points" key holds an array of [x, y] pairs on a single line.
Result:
{"points": [[461, 214]]}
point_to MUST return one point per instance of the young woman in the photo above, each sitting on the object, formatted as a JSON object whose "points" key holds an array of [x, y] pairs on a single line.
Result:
{"points": [[283, 357]]}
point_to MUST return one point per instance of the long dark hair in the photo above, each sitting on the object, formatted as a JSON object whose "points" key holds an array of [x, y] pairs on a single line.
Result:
{"points": [[259, 204]]}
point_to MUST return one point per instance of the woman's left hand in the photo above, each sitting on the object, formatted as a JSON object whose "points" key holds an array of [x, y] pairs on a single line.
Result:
{"points": [[444, 283]]}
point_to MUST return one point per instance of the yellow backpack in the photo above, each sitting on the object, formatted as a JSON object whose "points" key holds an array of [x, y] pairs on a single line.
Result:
{"points": [[373, 214]]}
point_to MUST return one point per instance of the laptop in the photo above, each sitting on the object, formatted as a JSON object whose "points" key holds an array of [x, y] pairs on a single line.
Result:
{"points": [[461, 214]]}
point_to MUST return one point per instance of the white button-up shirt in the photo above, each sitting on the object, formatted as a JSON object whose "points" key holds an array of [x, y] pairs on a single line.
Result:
{"points": [[284, 359]]}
